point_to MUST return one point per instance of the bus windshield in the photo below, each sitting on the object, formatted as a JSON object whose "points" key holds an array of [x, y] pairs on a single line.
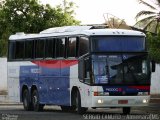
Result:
{"points": [[118, 44], [121, 69]]}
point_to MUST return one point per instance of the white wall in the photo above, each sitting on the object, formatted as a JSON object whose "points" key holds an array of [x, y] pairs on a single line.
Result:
{"points": [[155, 82], [3, 74]]}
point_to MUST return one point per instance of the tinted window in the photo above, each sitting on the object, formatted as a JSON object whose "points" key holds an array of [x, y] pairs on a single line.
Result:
{"points": [[50, 48], [118, 43], [29, 49], [84, 70], [87, 70], [121, 69], [39, 46], [60, 47], [11, 50], [72, 47], [83, 46], [81, 70], [19, 51]]}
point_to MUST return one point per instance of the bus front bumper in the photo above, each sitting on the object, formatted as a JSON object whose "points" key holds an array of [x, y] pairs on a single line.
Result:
{"points": [[120, 101]]}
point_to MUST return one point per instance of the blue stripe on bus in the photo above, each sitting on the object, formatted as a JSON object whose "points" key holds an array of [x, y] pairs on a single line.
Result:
{"points": [[52, 83]]}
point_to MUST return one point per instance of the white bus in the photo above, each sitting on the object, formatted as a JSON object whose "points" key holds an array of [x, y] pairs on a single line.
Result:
{"points": [[79, 67]]}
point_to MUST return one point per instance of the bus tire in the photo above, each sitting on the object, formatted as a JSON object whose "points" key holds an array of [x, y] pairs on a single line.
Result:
{"points": [[35, 102], [26, 100], [126, 110], [80, 110]]}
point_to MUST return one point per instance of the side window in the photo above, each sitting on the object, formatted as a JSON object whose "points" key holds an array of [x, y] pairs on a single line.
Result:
{"points": [[87, 70], [39, 48], [19, 50], [11, 51], [83, 45], [80, 70], [60, 47], [50, 48], [84, 70], [72, 45], [29, 49]]}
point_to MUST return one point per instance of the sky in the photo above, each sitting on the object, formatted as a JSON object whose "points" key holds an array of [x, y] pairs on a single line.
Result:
{"points": [[92, 11]]}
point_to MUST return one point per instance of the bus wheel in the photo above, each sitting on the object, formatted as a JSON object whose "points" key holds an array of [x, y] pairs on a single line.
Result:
{"points": [[126, 110], [26, 101], [80, 110], [35, 101]]}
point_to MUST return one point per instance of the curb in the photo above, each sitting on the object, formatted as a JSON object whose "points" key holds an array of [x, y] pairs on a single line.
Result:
{"points": [[9, 103]]}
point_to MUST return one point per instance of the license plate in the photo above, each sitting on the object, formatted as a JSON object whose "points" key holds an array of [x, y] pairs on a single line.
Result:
{"points": [[122, 101]]}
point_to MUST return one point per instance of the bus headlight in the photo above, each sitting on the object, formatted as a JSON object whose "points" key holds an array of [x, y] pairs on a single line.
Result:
{"points": [[100, 101], [145, 101]]}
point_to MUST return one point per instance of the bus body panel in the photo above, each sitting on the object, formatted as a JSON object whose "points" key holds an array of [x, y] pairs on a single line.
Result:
{"points": [[113, 101], [52, 82], [89, 100], [13, 76], [84, 89]]}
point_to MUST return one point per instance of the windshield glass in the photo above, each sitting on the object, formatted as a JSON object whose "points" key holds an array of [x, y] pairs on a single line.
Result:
{"points": [[118, 43], [121, 69]]}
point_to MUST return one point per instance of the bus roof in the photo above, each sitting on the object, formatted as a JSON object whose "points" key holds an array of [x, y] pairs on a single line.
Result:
{"points": [[75, 30]]}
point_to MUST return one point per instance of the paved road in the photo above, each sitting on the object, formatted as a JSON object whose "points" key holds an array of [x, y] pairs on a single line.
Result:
{"points": [[16, 112]]}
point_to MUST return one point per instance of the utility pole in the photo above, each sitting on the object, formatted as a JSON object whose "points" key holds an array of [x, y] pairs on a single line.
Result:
{"points": [[64, 5]]}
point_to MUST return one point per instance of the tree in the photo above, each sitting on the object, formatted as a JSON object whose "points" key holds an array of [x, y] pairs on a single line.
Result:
{"points": [[153, 43], [149, 19], [31, 17]]}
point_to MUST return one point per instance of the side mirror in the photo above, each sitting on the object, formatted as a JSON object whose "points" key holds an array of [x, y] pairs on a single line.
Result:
{"points": [[153, 66]]}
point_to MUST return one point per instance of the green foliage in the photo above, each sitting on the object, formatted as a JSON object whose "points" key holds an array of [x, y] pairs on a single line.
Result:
{"points": [[31, 17], [148, 19], [153, 43]]}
